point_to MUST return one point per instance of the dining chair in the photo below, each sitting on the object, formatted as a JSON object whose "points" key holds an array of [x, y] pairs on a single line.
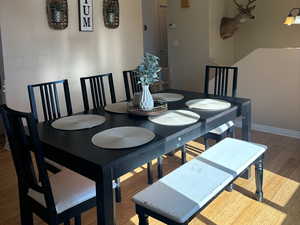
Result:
{"points": [[47, 98], [131, 84], [50, 94], [55, 199], [97, 85], [224, 77]]}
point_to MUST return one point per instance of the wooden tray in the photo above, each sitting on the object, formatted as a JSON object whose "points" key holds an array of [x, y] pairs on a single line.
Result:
{"points": [[159, 107]]}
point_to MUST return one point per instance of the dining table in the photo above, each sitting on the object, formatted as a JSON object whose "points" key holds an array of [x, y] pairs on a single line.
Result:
{"points": [[75, 150]]}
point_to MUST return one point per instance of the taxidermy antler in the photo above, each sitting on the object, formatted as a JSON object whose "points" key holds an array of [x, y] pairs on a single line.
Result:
{"points": [[230, 25]]}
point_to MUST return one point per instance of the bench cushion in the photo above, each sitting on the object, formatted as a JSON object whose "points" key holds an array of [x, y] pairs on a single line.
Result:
{"points": [[183, 192]]}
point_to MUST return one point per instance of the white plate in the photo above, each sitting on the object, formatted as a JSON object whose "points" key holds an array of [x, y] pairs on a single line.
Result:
{"points": [[208, 104], [78, 122], [168, 97], [123, 137], [175, 118], [120, 107]]}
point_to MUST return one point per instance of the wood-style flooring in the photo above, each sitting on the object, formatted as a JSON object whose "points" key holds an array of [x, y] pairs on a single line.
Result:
{"points": [[281, 189]]}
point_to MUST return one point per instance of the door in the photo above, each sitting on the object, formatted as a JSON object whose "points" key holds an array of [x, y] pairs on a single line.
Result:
{"points": [[151, 28], [155, 14], [2, 97]]}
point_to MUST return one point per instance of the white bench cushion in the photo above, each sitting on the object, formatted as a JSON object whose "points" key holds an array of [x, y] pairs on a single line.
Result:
{"points": [[221, 129], [69, 189], [187, 189]]}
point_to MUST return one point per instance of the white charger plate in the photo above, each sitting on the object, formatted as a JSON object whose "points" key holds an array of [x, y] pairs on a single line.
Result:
{"points": [[175, 118], [123, 137], [208, 104], [78, 122], [120, 107], [168, 97]]}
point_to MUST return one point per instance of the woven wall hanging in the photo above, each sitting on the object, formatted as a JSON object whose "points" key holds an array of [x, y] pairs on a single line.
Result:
{"points": [[57, 13], [111, 13]]}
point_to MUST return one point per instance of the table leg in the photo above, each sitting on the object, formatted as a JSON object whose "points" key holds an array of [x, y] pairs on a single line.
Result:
{"points": [[160, 167], [149, 172], [183, 154], [246, 131], [246, 123], [105, 199]]}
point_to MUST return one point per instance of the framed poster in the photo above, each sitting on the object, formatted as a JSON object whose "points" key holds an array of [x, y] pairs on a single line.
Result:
{"points": [[85, 15]]}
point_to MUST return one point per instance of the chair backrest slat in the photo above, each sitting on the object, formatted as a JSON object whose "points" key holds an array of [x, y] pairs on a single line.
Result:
{"points": [[43, 104], [103, 100], [48, 103], [226, 82], [131, 84], [25, 145], [57, 101], [50, 99], [222, 75], [97, 90]]}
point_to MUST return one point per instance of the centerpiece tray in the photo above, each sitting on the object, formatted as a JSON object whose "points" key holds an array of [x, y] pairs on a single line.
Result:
{"points": [[159, 107]]}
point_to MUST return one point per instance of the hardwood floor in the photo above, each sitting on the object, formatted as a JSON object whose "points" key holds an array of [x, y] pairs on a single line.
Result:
{"points": [[281, 189]]}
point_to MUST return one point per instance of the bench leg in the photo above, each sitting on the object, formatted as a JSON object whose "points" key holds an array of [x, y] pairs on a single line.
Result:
{"points": [[259, 169], [143, 219]]}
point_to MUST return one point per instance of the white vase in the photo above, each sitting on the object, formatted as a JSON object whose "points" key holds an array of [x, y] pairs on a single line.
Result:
{"points": [[146, 100]]}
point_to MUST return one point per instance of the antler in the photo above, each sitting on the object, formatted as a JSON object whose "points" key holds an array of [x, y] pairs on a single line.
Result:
{"points": [[250, 2], [239, 5], [247, 8]]}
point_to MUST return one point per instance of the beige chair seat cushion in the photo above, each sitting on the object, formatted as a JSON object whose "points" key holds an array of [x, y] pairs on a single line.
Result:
{"points": [[221, 129], [69, 189]]}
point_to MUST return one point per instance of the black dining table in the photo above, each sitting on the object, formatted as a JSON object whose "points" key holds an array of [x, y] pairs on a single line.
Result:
{"points": [[75, 151]]}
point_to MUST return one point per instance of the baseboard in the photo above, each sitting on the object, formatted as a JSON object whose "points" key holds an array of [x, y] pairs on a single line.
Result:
{"points": [[272, 130]]}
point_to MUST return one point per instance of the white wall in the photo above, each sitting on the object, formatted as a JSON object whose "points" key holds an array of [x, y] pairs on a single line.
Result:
{"points": [[188, 44], [221, 52], [268, 59], [35, 53], [271, 79]]}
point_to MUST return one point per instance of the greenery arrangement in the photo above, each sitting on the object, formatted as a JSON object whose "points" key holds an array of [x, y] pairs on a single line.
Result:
{"points": [[148, 70]]}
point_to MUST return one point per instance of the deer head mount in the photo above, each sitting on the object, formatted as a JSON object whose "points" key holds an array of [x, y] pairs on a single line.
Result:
{"points": [[230, 25]]}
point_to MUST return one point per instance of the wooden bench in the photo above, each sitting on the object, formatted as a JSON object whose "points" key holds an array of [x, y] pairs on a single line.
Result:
{"points": [[178, 197]]}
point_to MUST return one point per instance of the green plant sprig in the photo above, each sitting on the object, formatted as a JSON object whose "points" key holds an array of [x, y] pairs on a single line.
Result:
{"points": [[148, 70]]}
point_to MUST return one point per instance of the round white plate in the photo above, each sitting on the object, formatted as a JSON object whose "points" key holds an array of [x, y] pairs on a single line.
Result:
{"points": [[168, 97], [120, 107], [78, 122], [175, 118], [123, 137], [208, 104]]}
